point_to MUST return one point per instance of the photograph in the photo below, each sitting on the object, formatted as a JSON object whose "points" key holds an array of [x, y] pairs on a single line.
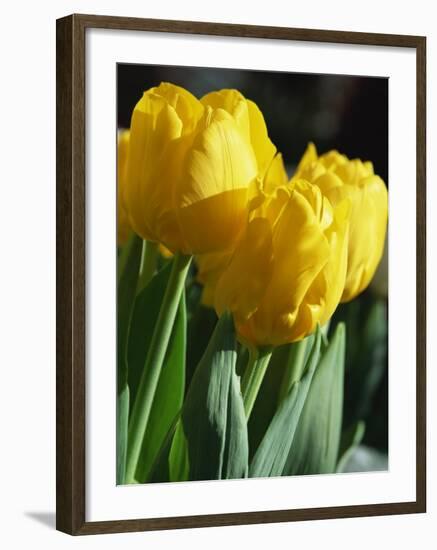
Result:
{"points": [[252, 274]]}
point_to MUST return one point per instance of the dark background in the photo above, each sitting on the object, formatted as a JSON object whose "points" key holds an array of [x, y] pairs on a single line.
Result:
{"points": [[347, 113]]}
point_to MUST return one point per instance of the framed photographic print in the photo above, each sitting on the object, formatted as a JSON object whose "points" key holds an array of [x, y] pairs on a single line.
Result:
{"points": [[240, 274]]}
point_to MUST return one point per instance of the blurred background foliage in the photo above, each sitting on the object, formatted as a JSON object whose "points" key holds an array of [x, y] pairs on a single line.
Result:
{"points": [[347, 113]]}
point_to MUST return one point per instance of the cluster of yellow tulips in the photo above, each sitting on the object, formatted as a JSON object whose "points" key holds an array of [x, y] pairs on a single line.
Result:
{"points": [[202, 178]]}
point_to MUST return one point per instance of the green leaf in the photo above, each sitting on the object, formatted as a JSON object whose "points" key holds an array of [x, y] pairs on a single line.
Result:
{"points": [[366, 357], [295, 364], [160, 471], [271, 456], [286, 367], [200, 328], [317, 438], [213, 416], [171, 462], [128, 265], [149, 261], [179, 467], [122, 419], [169, 393], [372, 362], [350, 440], [268, 397]]}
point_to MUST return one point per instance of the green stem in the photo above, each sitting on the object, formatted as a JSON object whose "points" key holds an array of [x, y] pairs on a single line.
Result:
{"points": [[325, 331], [253, 376], [149, 259], [154, 360], [294, 367]]}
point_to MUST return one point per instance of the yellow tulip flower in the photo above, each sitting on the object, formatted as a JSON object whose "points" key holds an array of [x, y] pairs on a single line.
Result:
{"points": [[123, 226], [340, 178], [191, 169], [210, 266], [288, 271]]}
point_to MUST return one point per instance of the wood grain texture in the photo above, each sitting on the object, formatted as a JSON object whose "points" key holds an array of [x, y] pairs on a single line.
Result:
{"points": [[70, 276], [71, 279], [421, 274], [246, 31]]}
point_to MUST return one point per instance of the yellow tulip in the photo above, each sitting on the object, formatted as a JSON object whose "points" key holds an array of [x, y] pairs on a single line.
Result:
{"points": [[191, 169], [123, 226], [210, 266], [288, 271], [340, 178]]}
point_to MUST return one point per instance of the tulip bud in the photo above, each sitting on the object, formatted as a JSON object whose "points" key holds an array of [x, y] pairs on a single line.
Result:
{"points": [[190, 173], [288, 271], [339, 178], [123, 227]]}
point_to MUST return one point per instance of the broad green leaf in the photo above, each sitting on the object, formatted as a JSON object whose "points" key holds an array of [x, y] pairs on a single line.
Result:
{"points": [[146, 310], [171, 385], [171, 461], [271, 456], [179, 467], [267, 400], [372, 363], [286, 366], [201, 325], [122, 427], [160, 471], [350, 440], [366, 355], [128, 265], [213, 416], [317, 438]]}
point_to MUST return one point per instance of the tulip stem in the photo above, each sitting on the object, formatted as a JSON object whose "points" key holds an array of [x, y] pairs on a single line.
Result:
{"points": [[253, 376], [153, 364], [148, 264], [294, 366]]}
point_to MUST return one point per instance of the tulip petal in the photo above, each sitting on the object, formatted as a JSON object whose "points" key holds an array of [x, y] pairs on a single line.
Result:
{"points": [[154, 125], [243, 284], [308, 158], [188, 108], [219, 161], [210, 268], [301, 251], [367, 233], [261, 143], [250, 121], [325, 293], [276, 175], [123, 226], [234, 103], [212, 196]]}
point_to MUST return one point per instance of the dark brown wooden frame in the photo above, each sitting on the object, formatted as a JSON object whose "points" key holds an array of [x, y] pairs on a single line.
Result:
{"points": [[70, 277]]}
